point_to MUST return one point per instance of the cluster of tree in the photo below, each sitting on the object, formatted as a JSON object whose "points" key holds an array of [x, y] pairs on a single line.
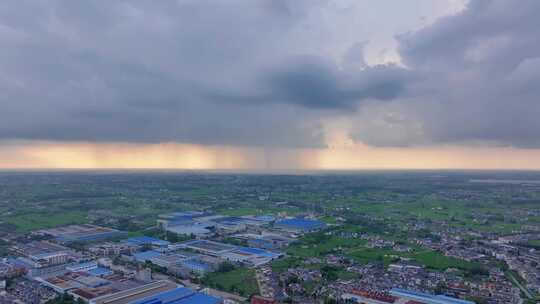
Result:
{"points": [[225, 267], [156, 268], [477, 270], [65, 299], [330, 273]]}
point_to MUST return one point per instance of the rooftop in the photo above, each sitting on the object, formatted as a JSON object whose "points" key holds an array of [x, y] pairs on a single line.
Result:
{"points": [[75, 229], [41, 248], [146, 255], [146, 240], [427, 298], [99, 271], [179, 295], [196, 228], [209, 246], [301, 223], [136, 293]]}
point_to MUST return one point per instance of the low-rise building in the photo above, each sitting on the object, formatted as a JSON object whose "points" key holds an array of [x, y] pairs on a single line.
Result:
{"points": [[82, 233], [299, 225]]}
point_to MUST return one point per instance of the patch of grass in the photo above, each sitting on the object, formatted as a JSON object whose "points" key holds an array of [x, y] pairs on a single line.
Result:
{"points": [[318, 244], [534, 244], [282, 265], [347, 275], [366, 255], [34, 221], [438, 261], [329, 220], [430, 259], [241, 281]]}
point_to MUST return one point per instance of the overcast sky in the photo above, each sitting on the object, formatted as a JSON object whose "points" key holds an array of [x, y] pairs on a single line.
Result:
{"points": [[269, 83]]}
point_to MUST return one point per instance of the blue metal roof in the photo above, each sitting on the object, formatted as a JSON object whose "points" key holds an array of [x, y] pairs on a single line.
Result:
{"points": [[146, 240], [258, 251], [265, 218], [300, 223], [180, 295], [100, 271], [146, 255], [85, 265], [429, 298], [195, 264], [200, 298], [261, 241]]}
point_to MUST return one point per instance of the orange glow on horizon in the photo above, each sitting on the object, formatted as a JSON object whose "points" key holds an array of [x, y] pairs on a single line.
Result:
{"points": [[84, 155]]}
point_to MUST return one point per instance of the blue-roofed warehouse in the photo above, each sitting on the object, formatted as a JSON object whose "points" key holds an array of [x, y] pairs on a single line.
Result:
{"points": [[196, 266], [146, 255], [100, 272], [179, 295], [146, 240], [300, 225], [426, 298]]}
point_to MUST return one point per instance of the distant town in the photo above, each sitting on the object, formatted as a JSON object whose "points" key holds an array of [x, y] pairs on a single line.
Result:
{"points": [[375, 244]]}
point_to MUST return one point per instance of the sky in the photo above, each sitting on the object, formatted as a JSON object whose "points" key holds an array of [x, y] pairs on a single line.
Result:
{"points": [[270, 84]]}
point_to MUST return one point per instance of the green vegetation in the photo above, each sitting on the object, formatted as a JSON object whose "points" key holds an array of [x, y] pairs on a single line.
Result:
{"points": [[329, 220], [65, 299], [33, 221], [320, 244], [438, 261], [240, 280], [132, 201], [519, 282], [430, 259], [366, 255], [317, 244], [534, 244], [399, 207], [282, 265]]}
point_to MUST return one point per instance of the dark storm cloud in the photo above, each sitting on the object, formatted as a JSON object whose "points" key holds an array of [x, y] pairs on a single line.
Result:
{"points": [[138, 70], [257, 73], [195, 71], [313, 83]]}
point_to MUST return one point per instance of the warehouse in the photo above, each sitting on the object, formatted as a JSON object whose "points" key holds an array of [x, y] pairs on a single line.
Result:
{"points": [[299, 225]]}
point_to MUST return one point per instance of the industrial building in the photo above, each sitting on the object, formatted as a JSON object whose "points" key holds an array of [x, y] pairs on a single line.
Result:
{"points": [[203, 225], [426, 298], [299, 225], [180, 295], [82, 233], [133, 295], [269, 241], [237, 254], [101, 286], [199, 229], [251, 257], [178, 219], [41, 258], [181, 263], [82, 266], [43, 254], [399, 296], [113, 249], [146, 256], [146, 241], [208, 247]]}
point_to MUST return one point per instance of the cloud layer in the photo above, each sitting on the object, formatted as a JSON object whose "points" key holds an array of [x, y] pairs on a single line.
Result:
{"points": [[479, 77], [264, 73]]}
